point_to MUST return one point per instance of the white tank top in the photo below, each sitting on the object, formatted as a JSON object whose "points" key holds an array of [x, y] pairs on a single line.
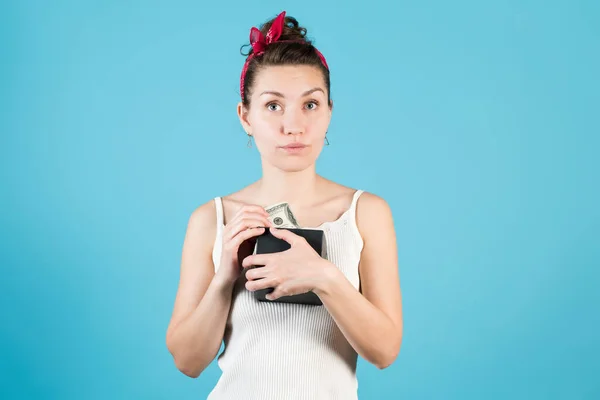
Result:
{"points": [[282, 351]]}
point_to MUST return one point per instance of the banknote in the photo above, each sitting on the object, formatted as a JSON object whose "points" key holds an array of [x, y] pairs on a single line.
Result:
{"points": [[281, 216]]}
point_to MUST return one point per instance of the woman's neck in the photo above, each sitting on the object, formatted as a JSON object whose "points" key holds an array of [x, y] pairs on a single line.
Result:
{"points": [[277, 186]]}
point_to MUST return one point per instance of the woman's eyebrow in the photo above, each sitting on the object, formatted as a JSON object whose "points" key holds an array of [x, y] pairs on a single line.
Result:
{"points": [[279, 94]]}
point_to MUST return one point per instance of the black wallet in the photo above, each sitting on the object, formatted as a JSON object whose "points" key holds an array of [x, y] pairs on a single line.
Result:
{"points": [[267, 243]]}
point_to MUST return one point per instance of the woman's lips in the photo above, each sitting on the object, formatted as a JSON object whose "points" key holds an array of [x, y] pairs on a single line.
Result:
{"points": [[294, 148]]}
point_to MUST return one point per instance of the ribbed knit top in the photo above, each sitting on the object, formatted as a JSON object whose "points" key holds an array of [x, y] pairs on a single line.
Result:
{"points": [[284, 351]]}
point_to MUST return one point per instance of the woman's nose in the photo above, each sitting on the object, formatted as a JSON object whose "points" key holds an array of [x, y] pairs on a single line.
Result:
{"points": [[293, 123]]}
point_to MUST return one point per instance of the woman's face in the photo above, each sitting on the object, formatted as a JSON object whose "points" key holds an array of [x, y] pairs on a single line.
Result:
{"points": [[288, 115]]}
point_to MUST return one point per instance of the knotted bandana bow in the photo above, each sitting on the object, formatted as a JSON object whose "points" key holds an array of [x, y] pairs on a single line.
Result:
{"points": [[259, 42]]}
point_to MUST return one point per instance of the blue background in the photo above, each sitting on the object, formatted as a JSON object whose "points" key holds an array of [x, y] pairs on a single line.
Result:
{"points": [[477, 122]]}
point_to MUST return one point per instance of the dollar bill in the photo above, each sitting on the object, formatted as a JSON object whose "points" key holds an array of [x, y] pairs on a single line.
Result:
{"points": [[281, 216]]}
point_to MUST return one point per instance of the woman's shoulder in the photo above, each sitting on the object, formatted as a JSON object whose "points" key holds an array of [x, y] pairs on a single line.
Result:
{"points": [[372, 201], [203, 216], [373, 213], [202, 226]]}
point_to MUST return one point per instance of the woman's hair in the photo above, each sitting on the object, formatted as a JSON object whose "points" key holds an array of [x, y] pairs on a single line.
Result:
{"points": [[292, 47]]}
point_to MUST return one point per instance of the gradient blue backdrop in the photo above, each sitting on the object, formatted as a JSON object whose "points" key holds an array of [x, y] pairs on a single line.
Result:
{"points": [[477, 121]]}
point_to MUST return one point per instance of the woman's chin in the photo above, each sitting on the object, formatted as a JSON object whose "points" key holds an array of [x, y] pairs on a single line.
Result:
{"points": [[294, 164]]}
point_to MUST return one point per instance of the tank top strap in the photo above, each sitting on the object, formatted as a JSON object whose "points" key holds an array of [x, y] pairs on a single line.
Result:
{"points": [[219, 209], [217, 245], [352, 210], [355, 199]]}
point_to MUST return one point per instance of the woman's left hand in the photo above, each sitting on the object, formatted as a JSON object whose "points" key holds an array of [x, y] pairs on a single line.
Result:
{"points": [[294, 271]]}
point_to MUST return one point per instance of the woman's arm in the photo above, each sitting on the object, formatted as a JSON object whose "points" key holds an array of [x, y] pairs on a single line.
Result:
{"points": [[202, 302], [371, 321]]}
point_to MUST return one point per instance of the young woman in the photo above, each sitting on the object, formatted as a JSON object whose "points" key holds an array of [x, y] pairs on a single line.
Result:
{"points": [[277, 350]]}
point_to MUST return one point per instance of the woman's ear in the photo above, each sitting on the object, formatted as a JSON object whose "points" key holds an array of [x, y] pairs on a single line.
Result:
{"points": [[243, 116]]}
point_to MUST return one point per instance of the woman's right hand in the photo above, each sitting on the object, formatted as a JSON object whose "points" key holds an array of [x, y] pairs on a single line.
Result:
{"points": [[239, 239]]}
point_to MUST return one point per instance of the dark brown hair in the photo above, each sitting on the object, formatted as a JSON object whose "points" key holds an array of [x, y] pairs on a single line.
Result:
{"points": [[292, 48]]}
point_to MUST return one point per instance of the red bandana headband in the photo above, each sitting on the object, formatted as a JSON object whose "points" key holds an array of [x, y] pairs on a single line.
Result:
{"points": [[259, 44]]}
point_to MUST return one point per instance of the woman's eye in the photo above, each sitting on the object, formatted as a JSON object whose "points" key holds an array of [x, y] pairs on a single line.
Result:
{"points": [[273, 107], [311, 105]]}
